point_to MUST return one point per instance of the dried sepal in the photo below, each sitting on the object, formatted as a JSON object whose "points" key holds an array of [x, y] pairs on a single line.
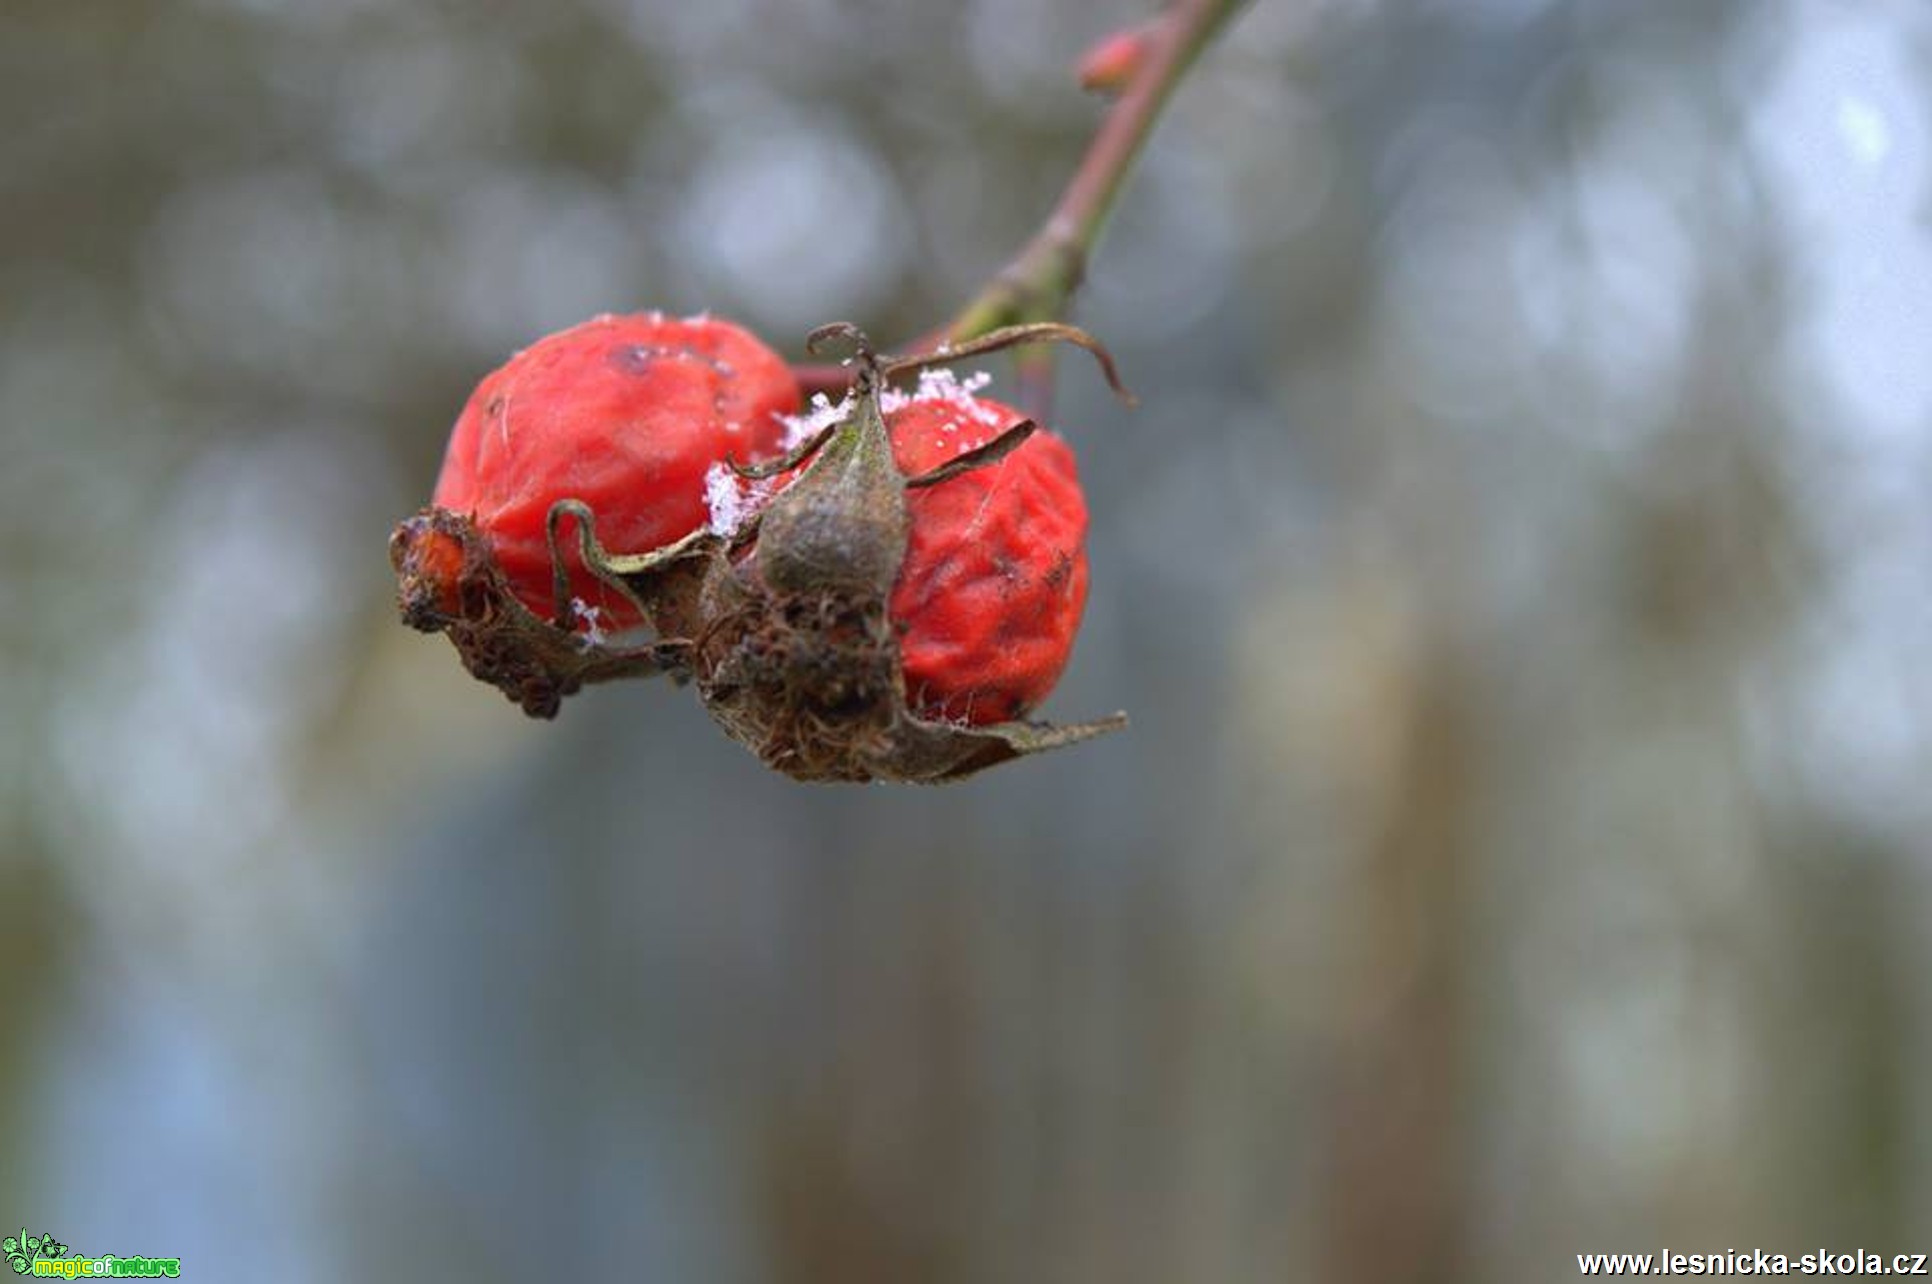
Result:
{"points": [[1014, 336], [786, 462], [665, 584], [979, 456], [449, 582], [936, 752]]}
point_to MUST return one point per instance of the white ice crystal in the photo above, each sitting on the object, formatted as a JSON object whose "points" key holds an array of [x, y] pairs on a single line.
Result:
{"points": [[800, 429], [945, 386], [732, 499], [592, 617]]}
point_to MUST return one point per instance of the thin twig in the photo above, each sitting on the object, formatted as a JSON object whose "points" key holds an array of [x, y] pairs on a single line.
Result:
{"points": [[1039, 282]]}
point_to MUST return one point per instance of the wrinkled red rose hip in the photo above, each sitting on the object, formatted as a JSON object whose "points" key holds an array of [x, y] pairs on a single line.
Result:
{"points": [[995, 578], [627, 414]]}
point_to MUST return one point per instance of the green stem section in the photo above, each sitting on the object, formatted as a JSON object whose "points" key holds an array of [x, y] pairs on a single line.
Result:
{"points": [[1040, 281]]}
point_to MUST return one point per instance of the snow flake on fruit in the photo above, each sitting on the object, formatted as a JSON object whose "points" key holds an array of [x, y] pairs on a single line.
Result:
{"points": [[731, 499], [822, 414], [591, 617], [943, 385]]}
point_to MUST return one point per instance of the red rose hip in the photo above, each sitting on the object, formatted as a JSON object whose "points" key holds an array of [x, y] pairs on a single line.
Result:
{"points": [[990, 595], [627, 414]]}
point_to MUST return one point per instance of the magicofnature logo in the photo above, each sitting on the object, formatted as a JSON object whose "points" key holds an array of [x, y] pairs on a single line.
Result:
{"points": [[45, 1256], [23, 1250]]}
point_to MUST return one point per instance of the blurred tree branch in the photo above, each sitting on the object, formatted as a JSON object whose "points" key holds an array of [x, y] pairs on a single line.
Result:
{"points": [[1039, 282]]}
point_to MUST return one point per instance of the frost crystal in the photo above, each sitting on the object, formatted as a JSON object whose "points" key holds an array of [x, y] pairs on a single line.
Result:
{"points": [[590, 615], [800, 429], [944, 385], [732, 499]]}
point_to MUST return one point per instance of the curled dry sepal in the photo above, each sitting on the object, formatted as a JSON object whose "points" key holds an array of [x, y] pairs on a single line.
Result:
{"points": [[781, 622]]}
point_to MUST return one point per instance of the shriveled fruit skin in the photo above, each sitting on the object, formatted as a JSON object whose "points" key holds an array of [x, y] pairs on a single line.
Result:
{"points": [[990, 594], [626, 413]]}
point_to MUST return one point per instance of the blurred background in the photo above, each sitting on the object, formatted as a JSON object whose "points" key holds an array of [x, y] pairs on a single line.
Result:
{"points": [[1519, 572]]}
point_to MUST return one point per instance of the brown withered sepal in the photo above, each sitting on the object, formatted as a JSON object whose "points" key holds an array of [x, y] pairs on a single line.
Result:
{"points": [[448, 582]]}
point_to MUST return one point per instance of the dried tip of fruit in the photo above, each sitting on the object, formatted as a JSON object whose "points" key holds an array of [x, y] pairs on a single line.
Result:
{"points": [[428, 558], [1113, 62], [447, 581]]}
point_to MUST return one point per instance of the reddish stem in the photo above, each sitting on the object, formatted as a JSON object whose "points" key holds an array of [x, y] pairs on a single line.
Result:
{"points": [[832, 380], [1038, 283], [1040, 280]]}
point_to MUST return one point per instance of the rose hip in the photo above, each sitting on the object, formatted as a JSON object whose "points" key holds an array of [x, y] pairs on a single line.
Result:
{"points": [[990, 595], [625, 413]]}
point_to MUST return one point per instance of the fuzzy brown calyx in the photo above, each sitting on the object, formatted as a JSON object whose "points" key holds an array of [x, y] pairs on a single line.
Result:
{"points": [[842, 525], [800, 661], [812, 684]]}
